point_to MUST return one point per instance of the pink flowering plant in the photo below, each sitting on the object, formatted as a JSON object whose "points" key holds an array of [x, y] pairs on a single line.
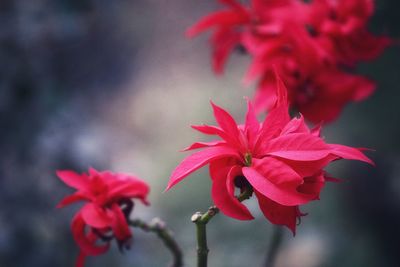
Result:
{"points": [[280, 160], [303, 53], [312, 44]]}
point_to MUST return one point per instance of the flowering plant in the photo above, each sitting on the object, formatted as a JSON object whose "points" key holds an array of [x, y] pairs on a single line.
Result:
{"points": [[312, 45], [109, 204], [281, 160]]}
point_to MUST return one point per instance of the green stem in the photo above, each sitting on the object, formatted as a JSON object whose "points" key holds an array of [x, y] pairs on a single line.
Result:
{"points": [[158, 227], [274, 246], [201, 221]]}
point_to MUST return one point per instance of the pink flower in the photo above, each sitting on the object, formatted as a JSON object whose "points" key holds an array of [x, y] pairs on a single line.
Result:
{"points": [[227, 34], [306, 42], [318, 95], [108, 198], [281, 160], [344, 23]]}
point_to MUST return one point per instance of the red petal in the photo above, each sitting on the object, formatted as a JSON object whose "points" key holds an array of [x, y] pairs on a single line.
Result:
{"points": [[252, 125], [347, 152], [220, 18], [265, 95], [86, 242], [208, 129], [94, 172], [277, 171], [95, 216], [198, 160], [281, 91], [287, 196], [127, 186], [222, 178], [309, 168], [80, 261], [301, 147], [296, 125], [313, 185], [316, 131], [278, 214], [225, 121], [119, 225], [73, 179], [213, 130], [224, 41], [204, 144], [78, 196], [272, 127]]}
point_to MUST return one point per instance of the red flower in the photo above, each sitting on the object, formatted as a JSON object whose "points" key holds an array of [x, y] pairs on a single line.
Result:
{"points": [[228, 33], [306, 42], [281, 160], [104, 216], [318, 96], [343, 23]]}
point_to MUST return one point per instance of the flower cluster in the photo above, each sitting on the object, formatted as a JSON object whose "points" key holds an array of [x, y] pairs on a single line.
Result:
{"points": [[281, 160], [312, 44], [104, 216]]}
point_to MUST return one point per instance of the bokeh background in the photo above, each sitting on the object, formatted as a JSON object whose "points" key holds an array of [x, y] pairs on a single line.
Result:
{"points": [[115, 85]]}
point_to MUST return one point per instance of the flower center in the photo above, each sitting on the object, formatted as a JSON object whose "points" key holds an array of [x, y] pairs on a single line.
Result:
{"points": [[247, 159], [241, 182]]}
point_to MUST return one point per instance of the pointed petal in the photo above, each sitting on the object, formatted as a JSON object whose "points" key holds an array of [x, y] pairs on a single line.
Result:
{"points": [[95, 216], [309, 168], [278, 214], [204, 144], [224, 198], [119, 225], [93, 171], [213, 130], [287, 196], [277, 171], [87, 243], [222, 165], [272, 127], [80, 261], [225, 121], [298, 146], [73, 179], [198, 160], [224, 41], [347, 152], [313, 185], [296, 125], [78, 196], [128, 186], [224, 18], [208, 129], [316, 131], [252, 125], [281, 91]]}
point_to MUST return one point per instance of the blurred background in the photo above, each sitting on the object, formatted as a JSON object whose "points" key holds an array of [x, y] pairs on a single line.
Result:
{"points": [[115, 85]]}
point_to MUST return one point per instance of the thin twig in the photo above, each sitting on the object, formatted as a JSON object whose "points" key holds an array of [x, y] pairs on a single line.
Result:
{"points": [[201, 221], [158, 227]]}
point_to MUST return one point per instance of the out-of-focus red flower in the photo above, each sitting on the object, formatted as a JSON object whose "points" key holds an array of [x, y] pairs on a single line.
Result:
{"points": [[108, 198], [281, 160], [320, 95], [343, 24], [228, 30], [306, 42]]}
